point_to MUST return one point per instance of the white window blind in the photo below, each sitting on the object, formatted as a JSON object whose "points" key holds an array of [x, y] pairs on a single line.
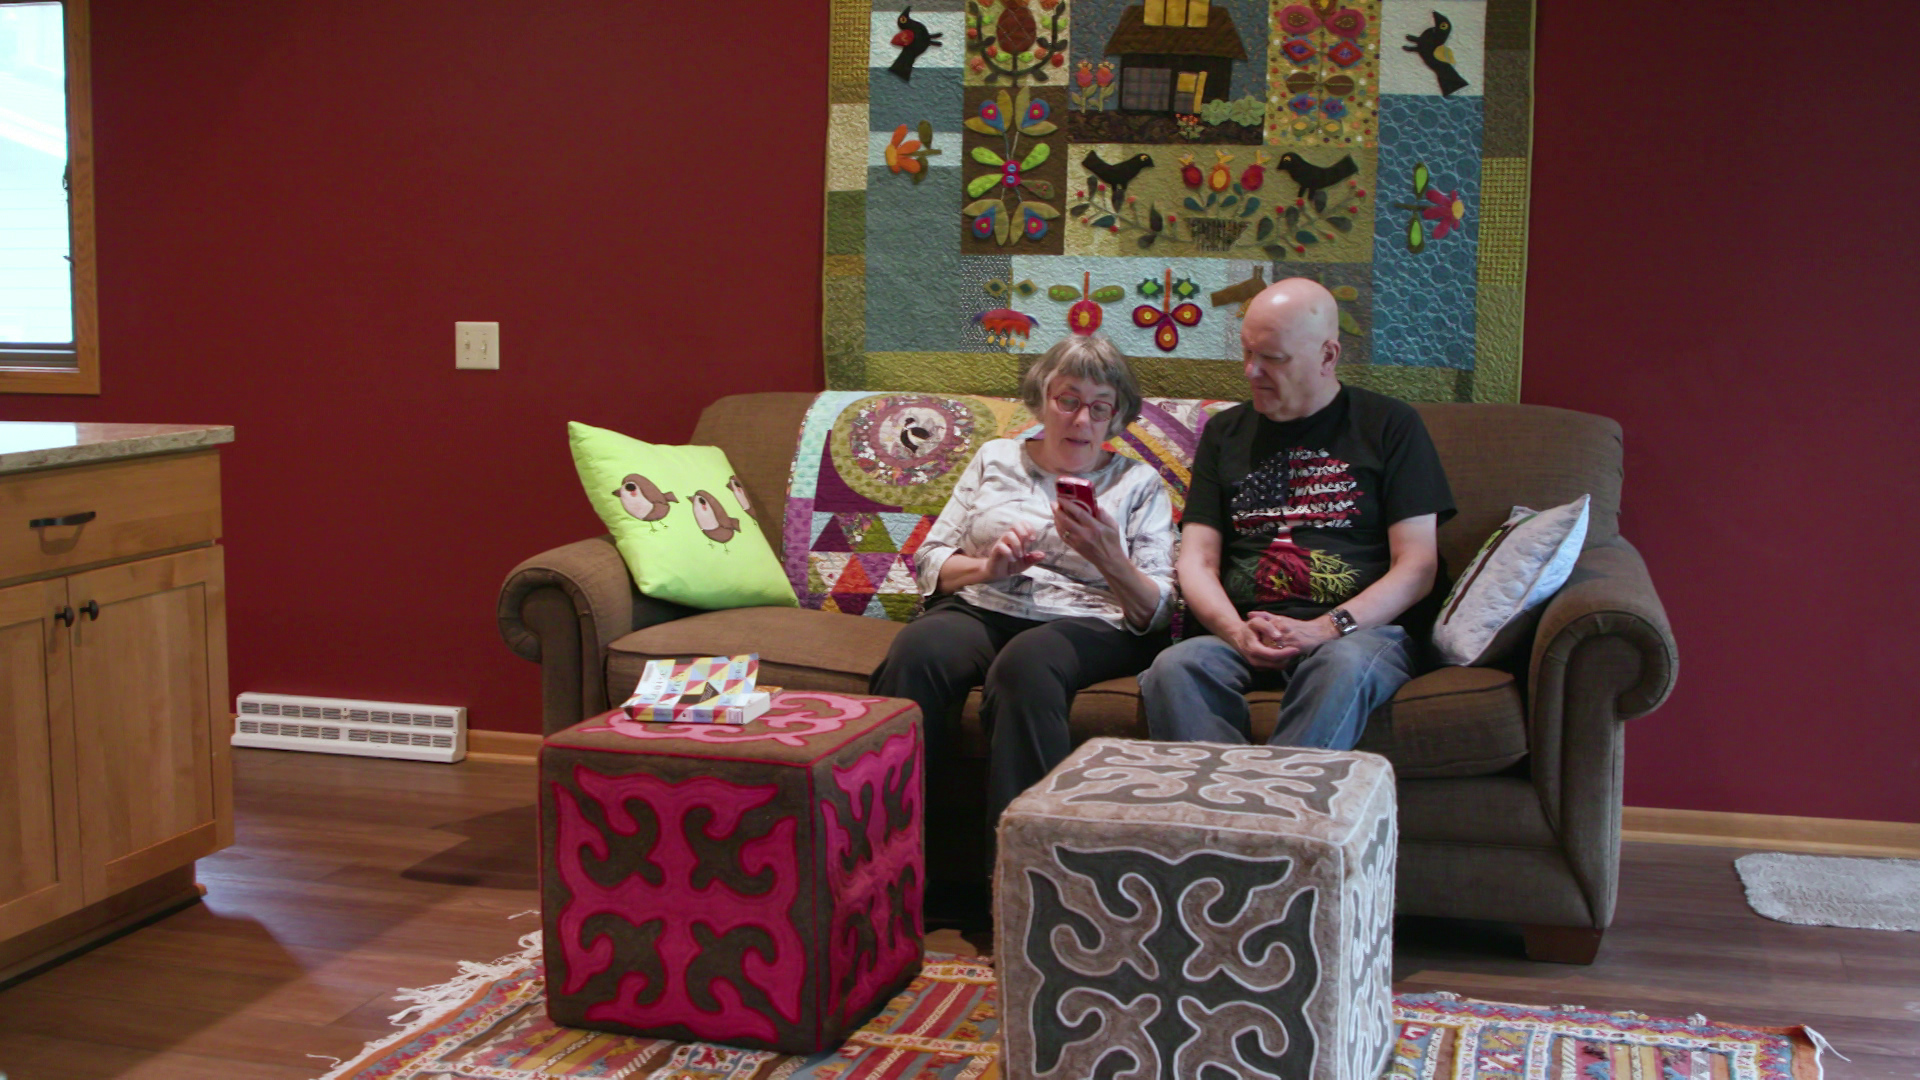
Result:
{"points": [[36, 276]]}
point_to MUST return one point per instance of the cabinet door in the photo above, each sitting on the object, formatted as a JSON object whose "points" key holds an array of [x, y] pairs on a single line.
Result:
{"points": [[150, 717], [39, 822]]}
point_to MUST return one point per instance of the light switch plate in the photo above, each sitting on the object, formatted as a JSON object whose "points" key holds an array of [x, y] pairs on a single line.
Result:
{"points": [[476, 346]]}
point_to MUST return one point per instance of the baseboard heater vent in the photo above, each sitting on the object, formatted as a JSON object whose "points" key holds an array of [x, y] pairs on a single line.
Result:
{"points": [[341, 726]]}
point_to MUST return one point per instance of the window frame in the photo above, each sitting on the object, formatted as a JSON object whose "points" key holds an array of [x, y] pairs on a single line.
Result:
{"points": [[1135, 86], [1190, 86], [29, 371]]}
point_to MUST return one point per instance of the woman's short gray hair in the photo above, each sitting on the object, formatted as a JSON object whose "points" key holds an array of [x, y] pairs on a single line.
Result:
{"points": [[1090, 357]]}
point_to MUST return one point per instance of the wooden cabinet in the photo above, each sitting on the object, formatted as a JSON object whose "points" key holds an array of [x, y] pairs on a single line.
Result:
{"points": [[40, 877], [114, 723], [150, 718]]}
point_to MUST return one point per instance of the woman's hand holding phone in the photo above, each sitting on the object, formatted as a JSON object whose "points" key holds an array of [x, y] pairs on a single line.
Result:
{"points": [[1078, 490], [1089, 530]]}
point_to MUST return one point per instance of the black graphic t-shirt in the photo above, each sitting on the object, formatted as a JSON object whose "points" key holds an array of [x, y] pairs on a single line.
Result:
{"points": [[1303, 505]]}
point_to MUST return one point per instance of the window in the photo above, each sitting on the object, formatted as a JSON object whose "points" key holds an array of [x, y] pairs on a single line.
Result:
{"points": [[47, 330], [1189, 92], [1145, 89], [1188, 13]]}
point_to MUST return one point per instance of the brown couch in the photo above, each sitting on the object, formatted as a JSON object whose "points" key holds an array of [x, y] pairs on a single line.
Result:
{"points": [[1509, 779]]}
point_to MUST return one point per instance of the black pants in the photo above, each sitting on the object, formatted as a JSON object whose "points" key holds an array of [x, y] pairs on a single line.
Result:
{"points": [[1028, 673]]}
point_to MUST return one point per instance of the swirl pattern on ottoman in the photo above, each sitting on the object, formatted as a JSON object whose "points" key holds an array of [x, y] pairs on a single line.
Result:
{"points": [[1370, 965], [1269, 781], [1214, 957], [717, 911], [874, 868]]}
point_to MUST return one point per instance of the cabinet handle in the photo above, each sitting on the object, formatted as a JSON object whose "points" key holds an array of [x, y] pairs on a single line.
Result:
{"points": [[71, 519], [92, 608], [65, 615]]}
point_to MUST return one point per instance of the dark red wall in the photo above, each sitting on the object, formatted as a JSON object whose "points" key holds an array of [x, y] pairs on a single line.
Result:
{"points": [[296, 202], [1719, 260]]}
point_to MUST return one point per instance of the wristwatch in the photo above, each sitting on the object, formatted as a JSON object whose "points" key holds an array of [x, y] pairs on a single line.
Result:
{"points": [[1342, 621]]}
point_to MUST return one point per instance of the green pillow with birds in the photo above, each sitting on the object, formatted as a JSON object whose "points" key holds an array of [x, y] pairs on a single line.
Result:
{"points": [[680, 519]]}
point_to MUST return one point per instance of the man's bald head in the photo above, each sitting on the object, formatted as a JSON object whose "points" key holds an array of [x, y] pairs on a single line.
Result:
{"points": [[1294, 306], [1291, 339]]}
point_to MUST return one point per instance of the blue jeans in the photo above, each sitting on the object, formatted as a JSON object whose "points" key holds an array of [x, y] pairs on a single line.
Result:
{"points": [[1196, 690]]}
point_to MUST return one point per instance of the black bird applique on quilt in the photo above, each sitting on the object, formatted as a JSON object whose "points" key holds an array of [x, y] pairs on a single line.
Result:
{"points": [[1117, 176], [1432, 47], [914, 38], [1311, 177]]}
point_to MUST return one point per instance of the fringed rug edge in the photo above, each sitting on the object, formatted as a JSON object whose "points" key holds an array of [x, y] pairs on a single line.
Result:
{"points": [[1808, 1045], [430, 1005]]}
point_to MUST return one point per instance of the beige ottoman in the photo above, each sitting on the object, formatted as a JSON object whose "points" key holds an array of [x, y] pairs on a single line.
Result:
{"points": [[1198, 911]]}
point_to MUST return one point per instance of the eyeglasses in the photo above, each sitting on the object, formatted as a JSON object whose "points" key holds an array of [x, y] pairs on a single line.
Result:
{"points": [[1099, 411]]}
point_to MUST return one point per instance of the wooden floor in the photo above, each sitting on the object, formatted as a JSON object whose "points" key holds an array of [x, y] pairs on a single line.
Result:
{"points": [[352, 877]]}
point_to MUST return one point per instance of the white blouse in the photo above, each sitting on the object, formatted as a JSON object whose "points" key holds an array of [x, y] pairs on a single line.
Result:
{"points": [[1002, 485]]}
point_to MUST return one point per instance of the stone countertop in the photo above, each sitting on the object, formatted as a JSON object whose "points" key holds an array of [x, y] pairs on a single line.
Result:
{"points": [[32, 445]]}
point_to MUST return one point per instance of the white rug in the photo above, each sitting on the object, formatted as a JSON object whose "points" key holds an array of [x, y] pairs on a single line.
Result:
{"points": [[1828, 890]]}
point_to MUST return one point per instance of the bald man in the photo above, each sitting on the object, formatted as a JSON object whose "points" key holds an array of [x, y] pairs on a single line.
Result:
{"points": [[1309, 529]]}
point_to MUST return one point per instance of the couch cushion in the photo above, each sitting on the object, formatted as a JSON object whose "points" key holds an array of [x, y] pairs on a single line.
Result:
{"points": [[1110, 708], [757, 431], [1495, 603], [1450, 722], [1501, 456], [799, 649]]}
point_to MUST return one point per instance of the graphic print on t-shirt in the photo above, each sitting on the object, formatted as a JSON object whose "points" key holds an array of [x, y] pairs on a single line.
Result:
{"points": [[1287, 499]]}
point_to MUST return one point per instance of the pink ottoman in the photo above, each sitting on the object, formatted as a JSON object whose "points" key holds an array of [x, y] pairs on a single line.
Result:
{"points": [[758, 886]]}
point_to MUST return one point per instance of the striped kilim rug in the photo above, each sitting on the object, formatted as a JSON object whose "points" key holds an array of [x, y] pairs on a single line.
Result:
{"points": [[491, 1023]]}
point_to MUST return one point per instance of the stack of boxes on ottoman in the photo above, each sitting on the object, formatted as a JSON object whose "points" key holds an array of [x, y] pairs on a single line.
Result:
{"points": [[1187, 910], [757, 885]]}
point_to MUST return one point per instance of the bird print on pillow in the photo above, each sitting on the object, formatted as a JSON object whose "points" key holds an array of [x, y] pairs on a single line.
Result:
{"points": [[642, 499], [713, 518], [739, 493]]}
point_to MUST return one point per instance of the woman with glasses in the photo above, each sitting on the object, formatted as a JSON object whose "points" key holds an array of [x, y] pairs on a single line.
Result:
{"points": [[1031, 597]]}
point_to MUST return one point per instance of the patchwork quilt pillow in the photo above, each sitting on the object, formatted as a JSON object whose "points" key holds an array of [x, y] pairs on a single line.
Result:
{"points": [[678, 515], [1520, 566], [873, 470]]}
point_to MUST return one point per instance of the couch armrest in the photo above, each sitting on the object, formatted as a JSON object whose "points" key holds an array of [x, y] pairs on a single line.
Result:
{"points": [[1603, 653], [561, 609], [1611, 595]]}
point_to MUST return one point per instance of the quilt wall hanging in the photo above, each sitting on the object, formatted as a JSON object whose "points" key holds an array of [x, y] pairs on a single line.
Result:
{"points": [[999, 170]]}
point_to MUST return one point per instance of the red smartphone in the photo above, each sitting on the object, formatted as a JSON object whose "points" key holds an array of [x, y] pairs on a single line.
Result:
{"points": [[1077, 490]]}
